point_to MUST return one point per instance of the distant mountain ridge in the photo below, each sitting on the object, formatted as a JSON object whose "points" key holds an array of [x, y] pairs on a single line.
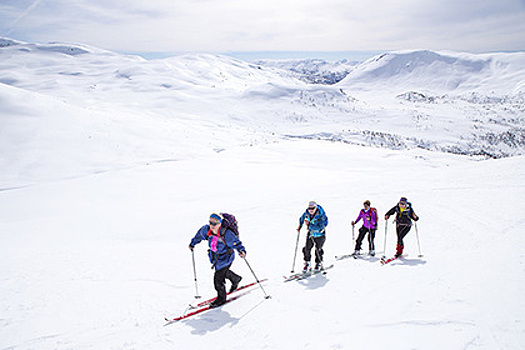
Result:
{"points": [[91, 102], [502, 73], [314, 71]]}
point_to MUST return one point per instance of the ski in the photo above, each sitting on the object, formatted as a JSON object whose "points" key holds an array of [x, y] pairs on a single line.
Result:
{"points": [[202, 309], [209, 301], [355, 256], [385, 261], [302, 275], [346, 256]]}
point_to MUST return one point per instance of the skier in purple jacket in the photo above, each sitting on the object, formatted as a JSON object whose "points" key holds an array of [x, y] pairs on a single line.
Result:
{"points": [[369, 216]]}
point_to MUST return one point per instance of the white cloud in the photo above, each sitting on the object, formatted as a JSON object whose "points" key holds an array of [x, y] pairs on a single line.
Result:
{"points": [[252, 25]]}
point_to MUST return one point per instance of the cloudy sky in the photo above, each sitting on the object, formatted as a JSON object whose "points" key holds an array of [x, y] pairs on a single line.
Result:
{"points": [[166, 26]]}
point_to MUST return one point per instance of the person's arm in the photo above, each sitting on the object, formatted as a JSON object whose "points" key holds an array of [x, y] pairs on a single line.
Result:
{"points": [[390, 212], [414, 216], [301, 222], [232, 241], [199, 236]]}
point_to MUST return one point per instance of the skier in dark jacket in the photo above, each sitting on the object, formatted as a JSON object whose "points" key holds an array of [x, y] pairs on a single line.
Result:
{"points": [[404, 216], [222, 243], [316, 222]]}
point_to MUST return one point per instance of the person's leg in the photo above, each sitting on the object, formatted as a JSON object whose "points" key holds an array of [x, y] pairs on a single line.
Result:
{"points": [[219, 280], [402, 231], [362, 232], [307, 250], [319, 252], [234, 278], [371, 237]]}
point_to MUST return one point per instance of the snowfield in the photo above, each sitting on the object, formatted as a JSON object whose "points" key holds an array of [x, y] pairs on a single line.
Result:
{"points": [[111, 163]]}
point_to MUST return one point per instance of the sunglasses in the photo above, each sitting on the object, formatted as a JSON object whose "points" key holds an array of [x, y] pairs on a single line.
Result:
{"points": [[214, 223], [311, 208]]}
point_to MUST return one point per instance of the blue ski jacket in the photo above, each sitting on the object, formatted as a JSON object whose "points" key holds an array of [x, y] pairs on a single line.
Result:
{"points": [[317, 222], [221, 252]]}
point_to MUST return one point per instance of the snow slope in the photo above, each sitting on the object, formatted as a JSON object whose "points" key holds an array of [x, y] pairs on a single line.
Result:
{"points": [[111, 163], [99, 261]]}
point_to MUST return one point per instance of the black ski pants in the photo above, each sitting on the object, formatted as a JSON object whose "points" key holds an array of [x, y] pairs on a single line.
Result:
{"points": [[402, 231], [362, 233], [318, 242], [219, 281]]}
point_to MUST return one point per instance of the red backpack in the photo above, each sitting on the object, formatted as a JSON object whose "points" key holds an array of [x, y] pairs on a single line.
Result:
{"points": [[374, 211]]}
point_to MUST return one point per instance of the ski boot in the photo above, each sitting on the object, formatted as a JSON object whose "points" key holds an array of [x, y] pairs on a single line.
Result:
{"points": [[306, 266], [399, 250], [217, 302]]}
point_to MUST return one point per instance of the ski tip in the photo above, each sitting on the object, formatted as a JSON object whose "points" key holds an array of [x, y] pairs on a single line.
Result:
{"points": [[169, 322]]}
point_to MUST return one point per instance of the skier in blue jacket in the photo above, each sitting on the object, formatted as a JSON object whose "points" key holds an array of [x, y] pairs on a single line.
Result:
{"points": [[316, 221], [222, 243]]}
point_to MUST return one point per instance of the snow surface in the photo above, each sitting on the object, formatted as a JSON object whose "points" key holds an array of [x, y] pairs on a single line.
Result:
{"points": [[111, 163]]}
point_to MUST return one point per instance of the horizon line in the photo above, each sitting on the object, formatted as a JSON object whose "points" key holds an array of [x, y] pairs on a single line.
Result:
{"points": [[273, 54]]}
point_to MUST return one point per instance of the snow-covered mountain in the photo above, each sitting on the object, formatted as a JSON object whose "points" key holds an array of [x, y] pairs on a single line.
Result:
{"points": [[441, 72], [452, 102]]}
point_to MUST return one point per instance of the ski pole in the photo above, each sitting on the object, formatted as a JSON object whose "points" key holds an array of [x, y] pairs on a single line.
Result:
{"points": [[384, 247], [197, 296], [353, 236], [296, 246], [418, 244], [266, 296]]}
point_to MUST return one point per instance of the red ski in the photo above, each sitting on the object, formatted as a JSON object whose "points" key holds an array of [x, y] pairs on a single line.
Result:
{"points": [[209, 301], [385, 261], [203, 309]]}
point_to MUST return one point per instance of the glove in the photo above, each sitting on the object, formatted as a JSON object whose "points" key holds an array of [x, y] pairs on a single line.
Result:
{"points": [[191, 247]]}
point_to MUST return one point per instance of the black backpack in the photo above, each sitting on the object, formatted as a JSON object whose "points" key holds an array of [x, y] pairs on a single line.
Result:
{"points": [[229, 222]]}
